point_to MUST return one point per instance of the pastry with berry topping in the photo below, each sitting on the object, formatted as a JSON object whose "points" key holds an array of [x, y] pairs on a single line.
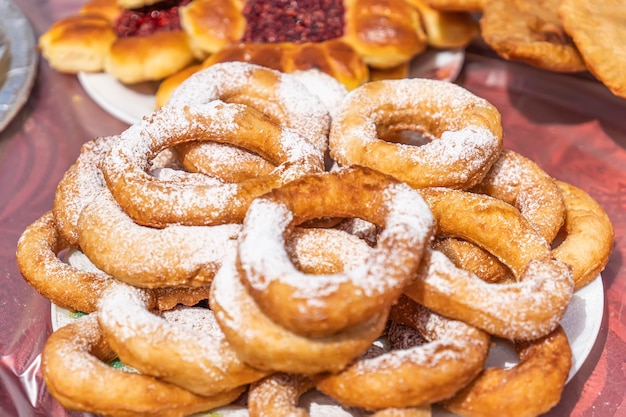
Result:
{"points": [[133, 45]]}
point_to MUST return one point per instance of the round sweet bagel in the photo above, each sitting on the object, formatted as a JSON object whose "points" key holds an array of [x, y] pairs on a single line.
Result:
{"points": [[547, 359], [79, 185], [522, 183], [465, 131], [588, 238], [266, 345], [524, 310], [157, 203], [184, 346], [278, 394], [94, 386], [453, 355], [62, 284], [279, 96], [77, 284], [326, 304], [148, 257]]}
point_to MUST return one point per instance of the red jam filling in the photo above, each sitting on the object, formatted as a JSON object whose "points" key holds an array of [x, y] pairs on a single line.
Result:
{"points": [[145, 21], [272, 21]]}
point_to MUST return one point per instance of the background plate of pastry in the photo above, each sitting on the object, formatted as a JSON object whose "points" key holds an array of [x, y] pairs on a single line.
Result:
{"points": [[129, 103]]}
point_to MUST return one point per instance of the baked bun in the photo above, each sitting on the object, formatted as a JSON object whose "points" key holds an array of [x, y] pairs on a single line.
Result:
{"points": [[78, 43], [106, 37], [385, 33], [140, 58], [343, 38], [212, 25]]}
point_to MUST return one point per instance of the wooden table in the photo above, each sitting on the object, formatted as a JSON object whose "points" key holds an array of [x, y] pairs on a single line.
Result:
{"points": [[570, 125]]}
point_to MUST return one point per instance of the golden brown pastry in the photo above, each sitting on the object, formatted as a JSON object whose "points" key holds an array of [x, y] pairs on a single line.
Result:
{"points": [[530, 32], [78, 43], [598, 29], [446, 29]]}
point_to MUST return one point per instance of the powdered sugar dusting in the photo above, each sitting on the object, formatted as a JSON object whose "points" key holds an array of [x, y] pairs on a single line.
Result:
{"points": [[464, 141], [196, 336], [524, 310], [297, 106], [146, 197], [263, 256], [168, 256], [330, 91]]}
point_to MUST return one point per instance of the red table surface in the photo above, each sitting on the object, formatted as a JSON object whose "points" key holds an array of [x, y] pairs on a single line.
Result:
{"points": [[570, 125]]}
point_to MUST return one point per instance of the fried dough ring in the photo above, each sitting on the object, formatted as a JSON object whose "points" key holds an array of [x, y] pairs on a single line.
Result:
{"points": [[326, 304], [94, 386], [234, 164], [229, 163], [198, 359], [148, 257], [524, 310], [521, 182], [157, 203], [71, 287], [466, 132], [280, 96], [547, 360], [55, 280], [452, 357], [265, 345], [589, 235], [84, 180], [165, 298], [79, 185]]}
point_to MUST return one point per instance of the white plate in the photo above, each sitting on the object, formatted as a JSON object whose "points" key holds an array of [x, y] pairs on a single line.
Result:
{"points": [[581, 323], [130, 103], [18, 61], [126, 103]]}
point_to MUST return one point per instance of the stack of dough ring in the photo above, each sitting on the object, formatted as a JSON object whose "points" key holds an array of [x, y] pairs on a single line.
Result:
{"points": [[266, 236]]}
